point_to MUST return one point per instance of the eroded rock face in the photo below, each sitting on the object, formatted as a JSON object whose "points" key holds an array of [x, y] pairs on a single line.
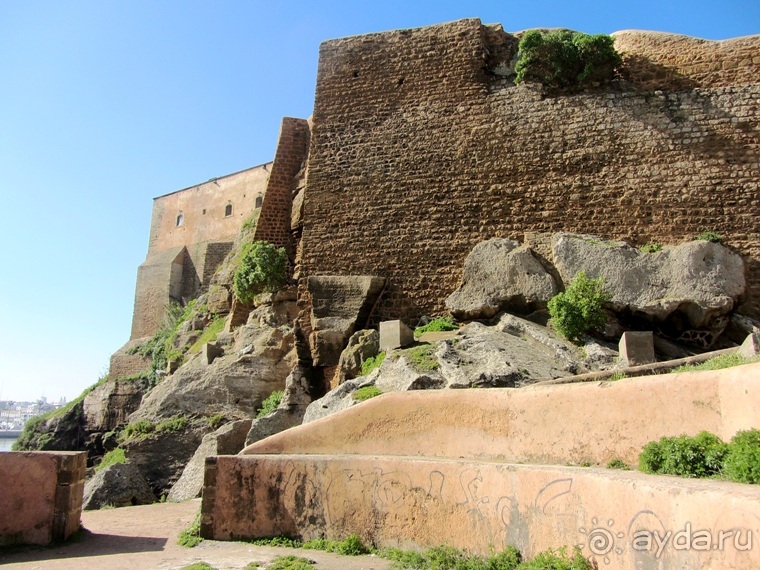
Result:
{"points": [[227, 440], [291, 410], [501, 275], [340, 304], [698, 281], [119, 485], [108, 406]]}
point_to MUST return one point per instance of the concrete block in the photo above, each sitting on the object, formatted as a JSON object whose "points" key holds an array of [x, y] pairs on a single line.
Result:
{"points": [[395, 334], [636, 347], [750, 347]]}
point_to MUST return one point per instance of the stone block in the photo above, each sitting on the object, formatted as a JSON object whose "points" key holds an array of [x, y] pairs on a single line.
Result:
{"points": [[750, 347], [395, 334], [211, 351], [636, 347]]}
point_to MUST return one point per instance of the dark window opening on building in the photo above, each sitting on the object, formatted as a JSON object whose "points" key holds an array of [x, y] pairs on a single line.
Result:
{"points": [[180, 219], [228, 210], [259, 201]]}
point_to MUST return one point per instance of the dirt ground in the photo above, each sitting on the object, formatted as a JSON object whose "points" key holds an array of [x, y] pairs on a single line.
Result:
{"points": [[145, 537]]}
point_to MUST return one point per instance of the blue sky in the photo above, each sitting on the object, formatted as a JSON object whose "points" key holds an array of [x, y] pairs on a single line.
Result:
{"points": [[106, 104]]}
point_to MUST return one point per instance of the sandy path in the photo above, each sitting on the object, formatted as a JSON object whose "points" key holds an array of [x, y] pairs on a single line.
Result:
{"points": [[133, 538]]}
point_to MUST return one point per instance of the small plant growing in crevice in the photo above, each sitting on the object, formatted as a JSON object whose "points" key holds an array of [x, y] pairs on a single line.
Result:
{"points": [[712, 236], [651, 248], [112, 458], [270, 403], [439, 324], [216, 421], [191, 536], [371, 363], [366, 393], [580, 307], [421, 357], [261, 269], [618, 463]]}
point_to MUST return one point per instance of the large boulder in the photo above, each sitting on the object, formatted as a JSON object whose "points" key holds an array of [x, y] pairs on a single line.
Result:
{"points": [[227, 440], [118, 485], [698, 281], [362, 345], [501, 275], [340, 304], [161, 456]]}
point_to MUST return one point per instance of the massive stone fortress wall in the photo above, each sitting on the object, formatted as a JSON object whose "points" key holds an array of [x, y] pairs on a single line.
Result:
{"points": [[419, 152]]}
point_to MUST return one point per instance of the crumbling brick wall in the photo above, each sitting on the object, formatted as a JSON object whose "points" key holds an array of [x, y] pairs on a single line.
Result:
{"points": [[418, 153]]}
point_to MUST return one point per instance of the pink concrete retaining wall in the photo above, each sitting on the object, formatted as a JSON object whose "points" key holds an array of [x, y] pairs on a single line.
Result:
{"points": [[40, 496], [561, 424], [417, 502]]}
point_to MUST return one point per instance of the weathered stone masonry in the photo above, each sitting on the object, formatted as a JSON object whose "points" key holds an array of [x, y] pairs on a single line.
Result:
{"points": [[419, 152]]}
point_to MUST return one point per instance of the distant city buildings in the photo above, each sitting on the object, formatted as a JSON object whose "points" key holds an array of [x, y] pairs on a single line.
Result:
{"points": [[13, 414]]}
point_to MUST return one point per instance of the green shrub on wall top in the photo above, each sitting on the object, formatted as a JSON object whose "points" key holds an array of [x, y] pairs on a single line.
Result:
{"points": [[563, 60], [261, 270], [580, 307]]}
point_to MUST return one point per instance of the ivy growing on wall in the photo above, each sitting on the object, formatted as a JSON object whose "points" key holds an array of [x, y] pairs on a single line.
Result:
{"points": [[562, 60]]}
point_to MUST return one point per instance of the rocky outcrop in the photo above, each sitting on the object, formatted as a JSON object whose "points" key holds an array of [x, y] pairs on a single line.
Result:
{"points": [[512, 353], [227, 440], [234, 384], [118, 485], [500, 275], [697, 281], [340, 304]]}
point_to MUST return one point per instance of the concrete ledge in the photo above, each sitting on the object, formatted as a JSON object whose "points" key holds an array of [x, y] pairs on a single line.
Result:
{"points": [[574, 423], [40, 496], [415, 502]]}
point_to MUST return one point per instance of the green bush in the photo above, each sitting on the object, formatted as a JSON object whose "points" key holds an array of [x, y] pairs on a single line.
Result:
{"points": [[558, 560], [699, 456], [270, 403], [349, 546], [282, 541], [198, 566], [439, 324], [371, 363], [580, 307], [291, 563], [742, 461], [366, 393], [447, 557], [261, 269], [112, 458], [712, 236], [565, 60]]}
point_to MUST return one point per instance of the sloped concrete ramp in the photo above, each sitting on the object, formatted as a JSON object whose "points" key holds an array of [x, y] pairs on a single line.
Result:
{"points": [[479, 497]]}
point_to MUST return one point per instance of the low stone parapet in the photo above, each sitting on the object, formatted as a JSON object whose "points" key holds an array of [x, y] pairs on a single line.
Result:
{"points": [[40, 496], [620, 519]]}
